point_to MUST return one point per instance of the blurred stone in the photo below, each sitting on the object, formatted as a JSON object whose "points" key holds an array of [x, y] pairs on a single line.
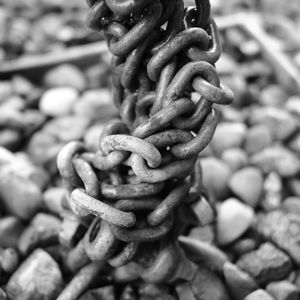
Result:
{"points": [[205, 286], [244, 245], [239, 282], [68, 128], [11, 139], [283, 290], [37, 278], [128, 293], [257, 138], [91, 138], [203, 211], [226, 64], [228, 135], [294, 143], [216, 174], [203, 233], [103, 293], [277, 159], [6, 156], [98, 75], [150, 291], [292, 205], [266, 264], [20, 196], [293, 105], [231, 114], [9, 260], [283, 229], [280, 122], [236, 158], [259, 295], [6, 90], [294, 186], [65, 75], [10, 231], [247, 185], [273, 95], [96, 105], [58, 101], [42, 231], [53, 198], [21, 85], [272, 192], [233, 219]]}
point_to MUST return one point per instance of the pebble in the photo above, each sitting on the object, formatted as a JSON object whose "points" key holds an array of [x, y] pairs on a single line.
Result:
{"points": [[244, 245], [96, 104], [235, 158], [91, 138], [20, 196], [293, 105], [280, 122], [216, 174], [6, 156], [233, 220], [6, 90], [42, 231], [58, 101], [273, 190], [239, 282], [205, 286], [26, 283], [277, 159], [273, 95], [65, 75], [149, 291], [283, 290], [21, 85], [203, 233], [292, 205], [257, 138], [247, 185], [52, 198], [228, 135], [294, 186], [103, 293], [10, 138], [203, 211], [266, 264], [9, 260], [294, 143], [259, 295], [10, 231], [68, 128], [283, 229]]}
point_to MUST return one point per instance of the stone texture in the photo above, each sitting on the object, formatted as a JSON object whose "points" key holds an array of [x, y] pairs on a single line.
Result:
{"points": [[235, 158], [266, 264], [259, 295], [283, 290]]}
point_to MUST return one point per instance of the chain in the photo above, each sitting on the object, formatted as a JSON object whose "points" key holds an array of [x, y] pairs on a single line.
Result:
{"points": [[126, 202]]}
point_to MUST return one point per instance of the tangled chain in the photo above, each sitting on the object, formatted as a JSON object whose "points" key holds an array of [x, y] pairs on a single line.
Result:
{"points": [[135, 189]]}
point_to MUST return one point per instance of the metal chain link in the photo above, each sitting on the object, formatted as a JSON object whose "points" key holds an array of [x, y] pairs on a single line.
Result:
{"points": [[135, 186]]}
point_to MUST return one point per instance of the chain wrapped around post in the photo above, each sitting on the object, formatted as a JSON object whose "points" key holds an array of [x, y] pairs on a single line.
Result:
{"points": [[126, 201]]}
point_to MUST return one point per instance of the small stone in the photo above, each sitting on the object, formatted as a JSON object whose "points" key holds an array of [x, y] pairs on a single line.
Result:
{"points": [[266, 264], [68, 128], [53, 198], [6, 90], [9, 260], [294, 143], [128, 293], [6, 156], [247, 185], [10, 139], [37, 278], [280, 122], [294, 186], [283, 229], [20, 196], [273, 95], [203, 211], [91, 138], [244, 245], [277, 159], [150, 291], [259, 295], [257, 138], [239, 282], [65, 75], [216, 174], [59, 101], [203, 233], [233, 220], [21, 85], [292, 205], [98, 75], [236, 158], [228, 135], [42, 231], [96, 105], [293, 105], [205, 286], [231, 114], [272, 192], [283, 290], [103, 293], [10, 230]]}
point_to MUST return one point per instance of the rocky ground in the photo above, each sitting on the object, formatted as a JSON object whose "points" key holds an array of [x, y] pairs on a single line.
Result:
{"points": [[251, 171]]}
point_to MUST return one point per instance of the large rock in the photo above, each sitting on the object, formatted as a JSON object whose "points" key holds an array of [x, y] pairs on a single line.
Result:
{"points": [[283, 229], [266, 264]]}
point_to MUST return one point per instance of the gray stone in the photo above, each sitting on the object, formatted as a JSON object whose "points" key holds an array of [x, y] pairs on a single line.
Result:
{"points": [[236, 158], [259, 295], [283, 290], [266, 264]]}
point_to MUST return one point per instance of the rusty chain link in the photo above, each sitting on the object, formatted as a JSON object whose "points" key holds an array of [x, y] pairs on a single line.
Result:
{"points": [[166, 87]]}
